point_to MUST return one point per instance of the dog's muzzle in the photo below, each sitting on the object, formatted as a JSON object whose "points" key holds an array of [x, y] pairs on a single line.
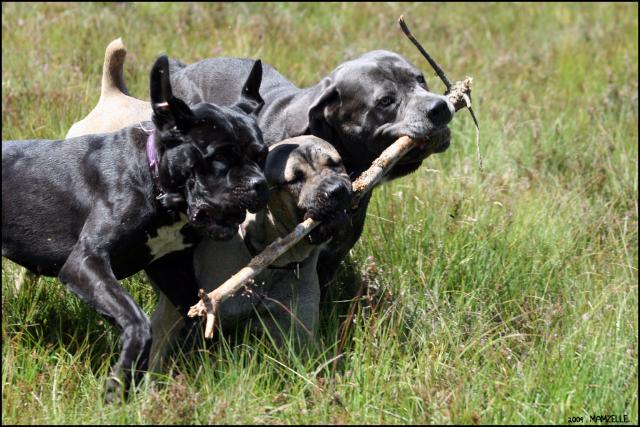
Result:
{"points": [[216, 226], [439, 112], [253, 195], [330, 203], [437, 142]]}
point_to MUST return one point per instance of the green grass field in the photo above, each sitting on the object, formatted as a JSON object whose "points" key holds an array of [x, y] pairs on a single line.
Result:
{"points": [[506, 296]]}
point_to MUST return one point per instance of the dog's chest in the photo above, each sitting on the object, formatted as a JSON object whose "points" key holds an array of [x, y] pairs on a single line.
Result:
{"points": [[168, 238]]}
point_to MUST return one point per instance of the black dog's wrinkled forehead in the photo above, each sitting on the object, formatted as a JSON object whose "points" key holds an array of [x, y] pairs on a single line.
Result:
{"points": [[218, 125], [211, 116]]}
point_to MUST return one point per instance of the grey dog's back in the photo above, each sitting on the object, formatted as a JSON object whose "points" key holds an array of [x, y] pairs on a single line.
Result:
{"points": [[219, 80]]}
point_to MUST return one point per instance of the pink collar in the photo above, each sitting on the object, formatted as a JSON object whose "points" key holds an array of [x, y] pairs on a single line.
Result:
{"points": [[154, 163]]}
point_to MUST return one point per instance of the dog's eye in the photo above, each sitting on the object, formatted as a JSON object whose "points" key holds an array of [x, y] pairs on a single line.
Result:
{"points": [[217, 157], [331, 163], [422, 82], [298, 176], [222, 154], [385, 101]]}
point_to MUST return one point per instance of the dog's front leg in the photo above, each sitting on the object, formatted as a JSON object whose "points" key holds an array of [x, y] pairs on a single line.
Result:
{"points": [[166, 322], [88, 275]]}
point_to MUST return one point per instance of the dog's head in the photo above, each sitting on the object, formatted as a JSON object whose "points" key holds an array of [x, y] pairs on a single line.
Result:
{"points": [[367, 103], [307, 178], [210, 156]]}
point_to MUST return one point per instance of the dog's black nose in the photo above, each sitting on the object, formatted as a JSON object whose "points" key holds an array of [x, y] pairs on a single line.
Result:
{"points": [[259, 185], [438, 112], [261, 190], [339, 193]]}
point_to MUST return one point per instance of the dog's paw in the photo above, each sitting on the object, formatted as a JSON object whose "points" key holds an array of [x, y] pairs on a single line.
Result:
{"points": [[114, 391]]}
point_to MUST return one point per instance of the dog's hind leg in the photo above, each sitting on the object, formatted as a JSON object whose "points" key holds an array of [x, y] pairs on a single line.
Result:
{"points": [[89, 276]]}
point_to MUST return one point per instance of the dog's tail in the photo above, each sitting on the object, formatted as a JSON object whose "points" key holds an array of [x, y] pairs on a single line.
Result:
{"points": [[113, 69]]}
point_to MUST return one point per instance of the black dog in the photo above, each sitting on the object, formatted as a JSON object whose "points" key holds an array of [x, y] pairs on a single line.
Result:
{"points": [[361, 108], [98, 208]]}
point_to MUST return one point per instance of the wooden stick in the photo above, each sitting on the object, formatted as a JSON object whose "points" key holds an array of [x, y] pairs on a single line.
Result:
{"points": [[372, 176], [462, 88], [209, 303]]}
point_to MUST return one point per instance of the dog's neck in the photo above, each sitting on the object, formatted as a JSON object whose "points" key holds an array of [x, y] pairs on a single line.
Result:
{"points": [[148, 140], [263, 228]]}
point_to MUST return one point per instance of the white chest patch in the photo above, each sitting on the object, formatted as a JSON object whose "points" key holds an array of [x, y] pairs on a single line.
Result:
{"points": [[169, 239]]}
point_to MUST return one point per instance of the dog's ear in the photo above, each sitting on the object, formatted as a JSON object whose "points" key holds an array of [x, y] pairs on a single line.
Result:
{"points": [[250, 100], [168, 111], [314, 113], [324, 109]]}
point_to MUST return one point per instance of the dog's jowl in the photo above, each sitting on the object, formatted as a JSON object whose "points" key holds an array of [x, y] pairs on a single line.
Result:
{"points": [[98, 208]]}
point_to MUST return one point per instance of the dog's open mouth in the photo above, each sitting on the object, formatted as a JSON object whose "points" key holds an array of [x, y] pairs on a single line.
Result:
{"points": [[217, 227], [332, 223], [437, 142]]}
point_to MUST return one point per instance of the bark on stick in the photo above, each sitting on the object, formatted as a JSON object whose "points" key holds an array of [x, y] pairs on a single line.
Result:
{"points": [[209, 302]]}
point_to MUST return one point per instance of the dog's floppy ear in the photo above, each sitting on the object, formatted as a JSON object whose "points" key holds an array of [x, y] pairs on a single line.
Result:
{"points": [[250, 100], [168, 111], [314, 113], [323, 110]]}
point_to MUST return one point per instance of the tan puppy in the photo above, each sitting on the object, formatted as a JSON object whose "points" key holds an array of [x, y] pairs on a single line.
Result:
{"points": [[306, 177], [115, 109]]}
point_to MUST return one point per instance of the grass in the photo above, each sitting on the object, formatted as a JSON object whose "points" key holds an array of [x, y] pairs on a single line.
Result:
{"points": [[504, 296]]}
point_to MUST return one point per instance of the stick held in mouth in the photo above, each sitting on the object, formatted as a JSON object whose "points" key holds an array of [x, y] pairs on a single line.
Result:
{"points": [[366, 182], [459, 93], [209, 302]]}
